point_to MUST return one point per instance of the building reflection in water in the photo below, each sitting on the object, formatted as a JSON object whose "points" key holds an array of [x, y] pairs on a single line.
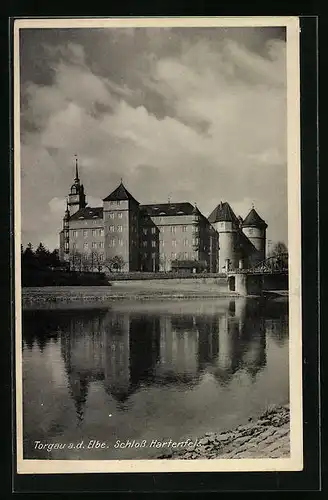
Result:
{"points": [[126, 351]]}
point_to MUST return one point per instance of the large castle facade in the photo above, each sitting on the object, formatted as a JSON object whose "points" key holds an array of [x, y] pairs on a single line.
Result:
{"points": [[157, 237]]}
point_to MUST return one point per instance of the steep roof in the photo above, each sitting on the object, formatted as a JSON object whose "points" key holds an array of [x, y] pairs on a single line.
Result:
{"points": [[88, 213], [120, 193], [166, 209], [254, 220], [223, 213]]}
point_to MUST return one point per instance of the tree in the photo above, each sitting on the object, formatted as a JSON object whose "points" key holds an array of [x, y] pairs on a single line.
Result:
{"points": [[115, 263], [75, 260], [97, 260], [42, 255], [28, 257], [279, 255], [165, 262], [54, 260], [279, 248]]}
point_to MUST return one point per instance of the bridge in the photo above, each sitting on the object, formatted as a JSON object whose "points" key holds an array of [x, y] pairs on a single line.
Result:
{"points": [[268, 275]]}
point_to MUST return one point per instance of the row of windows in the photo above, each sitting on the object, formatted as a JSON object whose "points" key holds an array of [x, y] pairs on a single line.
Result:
{"points": [[111, 215], [153, 255], [153, 243], [184, 255], [112, 243], [186, 242], [161, 229], [86, 232], [94, 245]]}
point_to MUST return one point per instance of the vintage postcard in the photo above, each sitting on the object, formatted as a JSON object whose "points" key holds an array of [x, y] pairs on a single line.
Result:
{"points": [[157, 245]]}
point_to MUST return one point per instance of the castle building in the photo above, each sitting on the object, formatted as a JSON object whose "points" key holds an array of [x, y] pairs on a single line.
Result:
{"points": [[242, 242], [156, 237]]}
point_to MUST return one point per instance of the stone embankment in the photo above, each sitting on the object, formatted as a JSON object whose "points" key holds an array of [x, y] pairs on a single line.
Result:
{"points": [[148, 290], [267, 437]]}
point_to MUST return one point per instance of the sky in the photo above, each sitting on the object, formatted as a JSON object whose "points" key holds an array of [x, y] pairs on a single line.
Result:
{"points": [[186, 114]]}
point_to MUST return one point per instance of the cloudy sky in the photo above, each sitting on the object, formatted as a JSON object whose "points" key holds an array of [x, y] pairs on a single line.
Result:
{"points": [[194, 114]]}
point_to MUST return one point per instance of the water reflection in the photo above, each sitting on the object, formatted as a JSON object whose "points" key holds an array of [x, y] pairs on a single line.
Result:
{"points": [[126, 349]]}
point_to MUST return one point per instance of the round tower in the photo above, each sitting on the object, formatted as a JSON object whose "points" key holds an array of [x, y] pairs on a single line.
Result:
{"points": [[255, 229], [226, 223]]}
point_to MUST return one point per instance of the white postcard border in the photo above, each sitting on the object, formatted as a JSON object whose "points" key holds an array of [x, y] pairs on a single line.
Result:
{"points": [[295, 462]]}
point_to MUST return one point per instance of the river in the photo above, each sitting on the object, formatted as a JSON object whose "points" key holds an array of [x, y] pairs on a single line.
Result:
{"points": [[137, 372]]}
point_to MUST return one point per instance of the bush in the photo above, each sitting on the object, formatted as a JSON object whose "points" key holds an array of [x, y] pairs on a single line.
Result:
{"points": [[42, 278]]}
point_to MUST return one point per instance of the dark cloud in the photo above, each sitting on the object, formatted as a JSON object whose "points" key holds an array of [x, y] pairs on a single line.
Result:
{"points": [[192, 113]]}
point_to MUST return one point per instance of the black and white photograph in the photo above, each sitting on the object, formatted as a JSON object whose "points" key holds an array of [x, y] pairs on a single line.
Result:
{"points": [[157, 240]]}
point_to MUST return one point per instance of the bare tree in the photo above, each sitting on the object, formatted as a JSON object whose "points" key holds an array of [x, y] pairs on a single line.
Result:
{"points": [[279, 248], [75, 260], [97, 261], [279, 255], [115, 263], [165, 262]]}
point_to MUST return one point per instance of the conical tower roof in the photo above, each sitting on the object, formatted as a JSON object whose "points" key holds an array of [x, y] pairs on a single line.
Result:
{"points": [[120, 193], [254, 220], [223, 213]]}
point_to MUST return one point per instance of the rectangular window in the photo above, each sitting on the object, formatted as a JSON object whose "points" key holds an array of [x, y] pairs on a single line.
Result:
{"points": [[144, 243], [174, 243], [120, 215], [111, 215], [101, 232], [111, 229], [85, 246], [145, 231], [94, 232], [184, 228], [85, 232], [153, 230], [120, 242], [101, 256], [112, 243], [173, 229], [173, 255], [120, 229], [94, 244], [153, 243], [74, 234], [74, 246], [185, 242], [186, 255], [145, 255], [101, 244], [153, 255], [162, 242]]}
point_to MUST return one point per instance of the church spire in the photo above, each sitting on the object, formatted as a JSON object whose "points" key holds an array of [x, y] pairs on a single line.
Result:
{"points": [[76, 170]]}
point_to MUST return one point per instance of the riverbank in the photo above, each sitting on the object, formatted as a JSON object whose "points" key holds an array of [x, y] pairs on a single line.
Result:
{"points": [[101, 295], [63, 295], [266, 437]]}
